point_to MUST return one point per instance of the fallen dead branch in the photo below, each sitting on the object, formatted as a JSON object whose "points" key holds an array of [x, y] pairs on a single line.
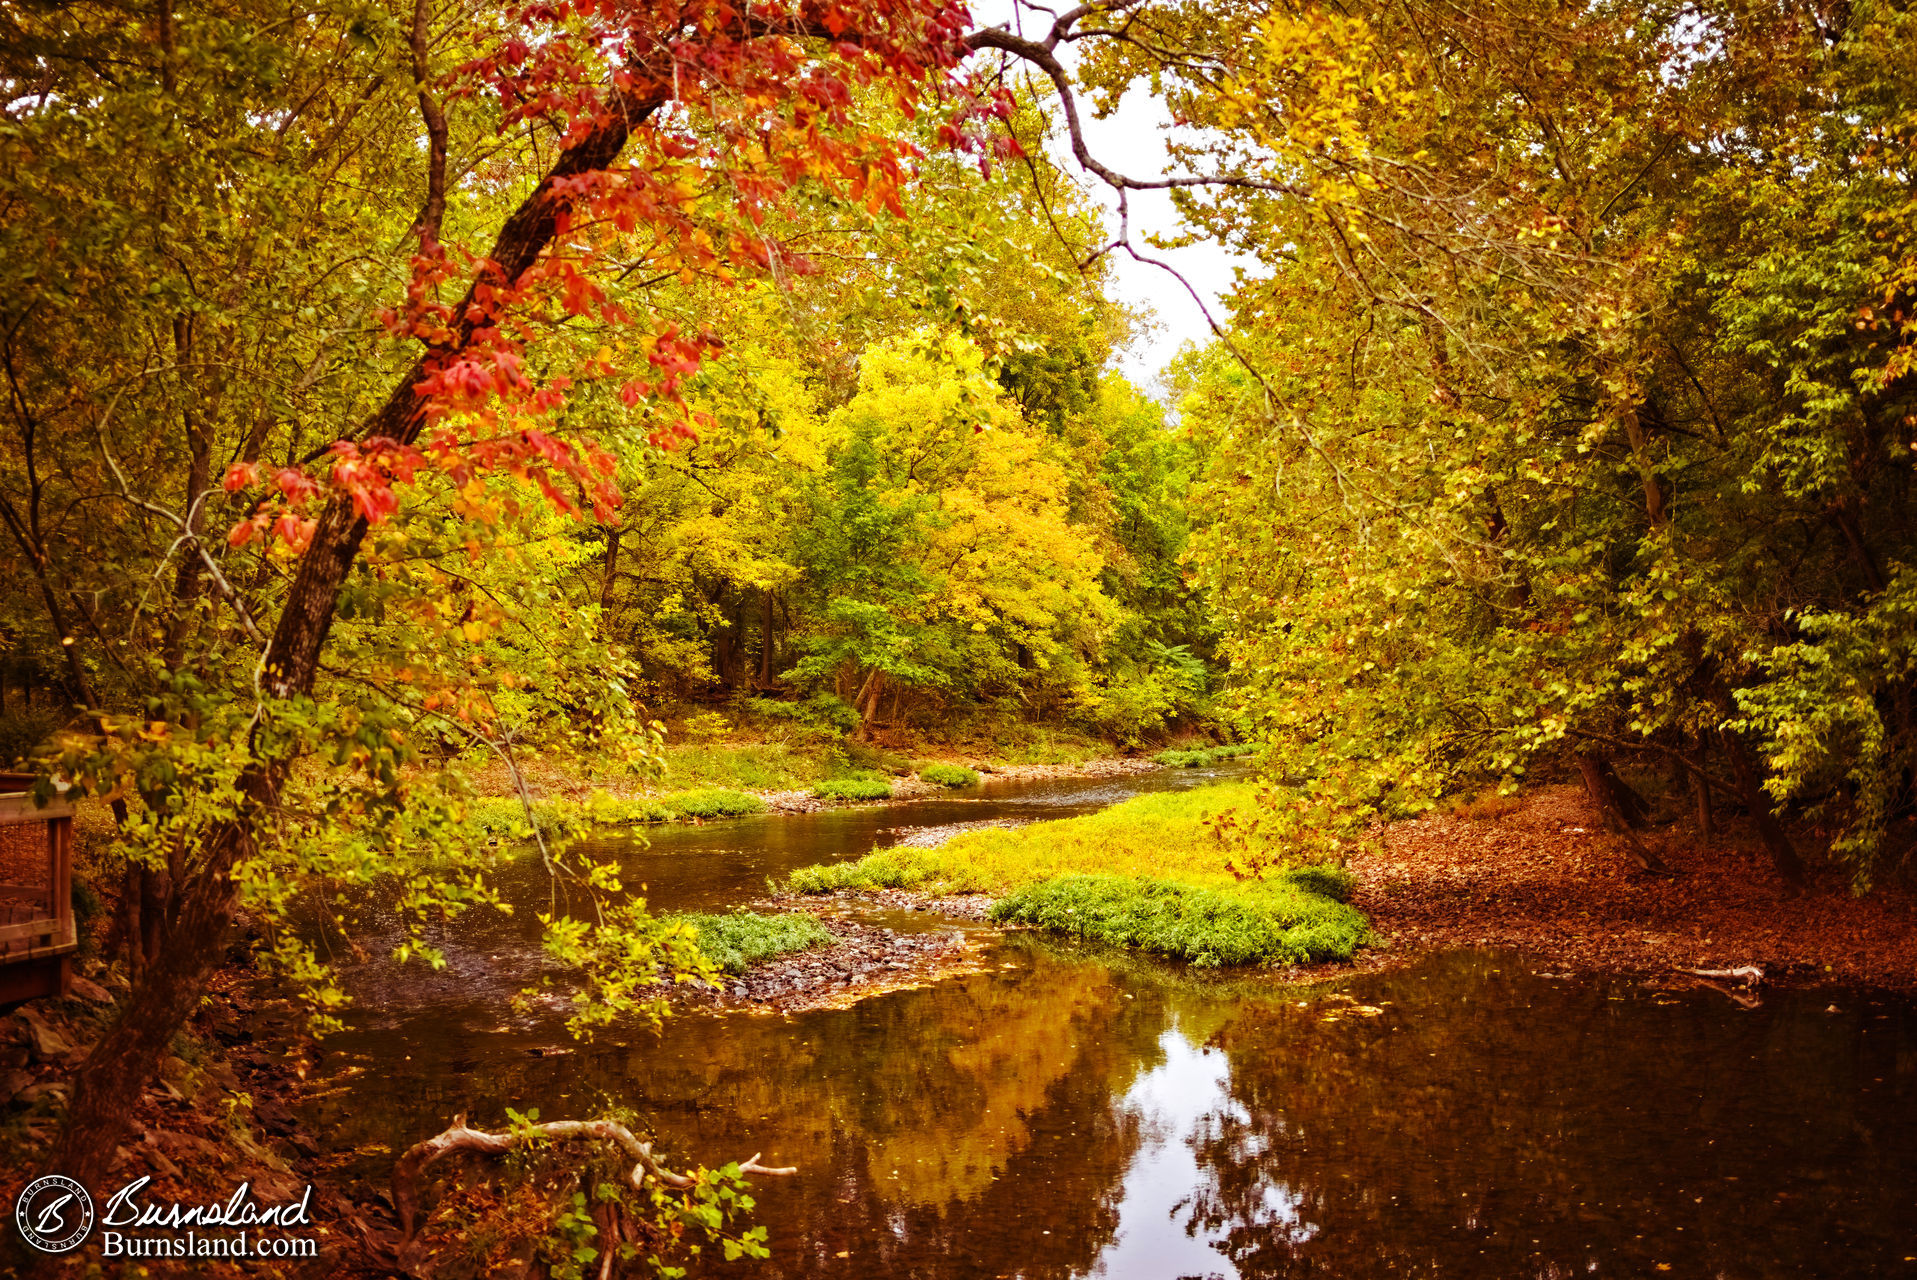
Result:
{"points": [[1748, 974], [459, 1138]]}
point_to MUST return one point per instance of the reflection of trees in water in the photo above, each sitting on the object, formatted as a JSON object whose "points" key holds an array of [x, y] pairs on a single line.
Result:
{"points": [[1494, 1124], [967, 1129], [1484, 1111]]}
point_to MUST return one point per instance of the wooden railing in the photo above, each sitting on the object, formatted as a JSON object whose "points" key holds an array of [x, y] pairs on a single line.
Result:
{"points": [[37, 933]]}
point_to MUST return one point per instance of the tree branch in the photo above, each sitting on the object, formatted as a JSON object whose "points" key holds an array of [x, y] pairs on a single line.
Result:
{"points": [[460, 1138]]}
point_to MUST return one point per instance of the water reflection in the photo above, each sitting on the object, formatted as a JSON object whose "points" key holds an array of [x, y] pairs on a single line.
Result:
{"points": [[1066, 1116], [1078, 1114]]}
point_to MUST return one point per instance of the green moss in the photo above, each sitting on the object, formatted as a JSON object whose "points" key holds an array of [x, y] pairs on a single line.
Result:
{"points": [[1147, 873], [741, 939], [948, 775], [1280, 925], [853, 789]]}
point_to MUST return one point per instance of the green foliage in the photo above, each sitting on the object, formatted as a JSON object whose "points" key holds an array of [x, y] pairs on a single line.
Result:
{"points": [[22, 733], [1198, 757], [736, 941], [1205, 926], [712, 803], [505, 816], [949, 775], [1621, 455], [853, 789], [1153, 872]]}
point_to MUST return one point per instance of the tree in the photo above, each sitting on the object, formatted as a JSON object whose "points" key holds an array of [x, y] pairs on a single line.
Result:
{"points": [[293, 311], [1573, 411], [937, 547]]}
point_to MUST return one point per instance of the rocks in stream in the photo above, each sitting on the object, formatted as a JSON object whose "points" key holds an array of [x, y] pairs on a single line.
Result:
{"points": [[864, 959]]}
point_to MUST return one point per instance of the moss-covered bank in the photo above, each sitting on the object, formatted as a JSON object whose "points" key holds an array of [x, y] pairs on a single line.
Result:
{"points": [[1147, 873]]}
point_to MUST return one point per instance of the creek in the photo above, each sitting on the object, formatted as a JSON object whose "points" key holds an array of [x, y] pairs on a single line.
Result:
{"points": [[1073, 1112]]}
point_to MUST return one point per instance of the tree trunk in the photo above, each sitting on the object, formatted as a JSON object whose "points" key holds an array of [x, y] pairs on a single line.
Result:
{"points": [[130, 921], [155, 891], [1706, 825], [765, 641], [108, 1085], [867, 703], [1608, 792], [609, 573], [1751, 790], [109, 1082]]}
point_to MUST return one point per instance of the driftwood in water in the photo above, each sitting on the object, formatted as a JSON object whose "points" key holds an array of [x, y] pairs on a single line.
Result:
{"points": [[1623, 808], [460, 1138], [1747, 977], [1748, 974]]}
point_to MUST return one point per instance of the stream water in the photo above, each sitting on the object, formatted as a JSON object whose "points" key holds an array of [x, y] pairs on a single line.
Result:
{"points": [[1071, 1112]]}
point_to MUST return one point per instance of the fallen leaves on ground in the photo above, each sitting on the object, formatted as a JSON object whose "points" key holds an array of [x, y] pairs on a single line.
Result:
{"points": [[1547, 878]]}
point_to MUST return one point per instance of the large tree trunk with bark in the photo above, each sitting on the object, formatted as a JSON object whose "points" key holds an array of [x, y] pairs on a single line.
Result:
{"points": [[765, 640], [108, 1085]]}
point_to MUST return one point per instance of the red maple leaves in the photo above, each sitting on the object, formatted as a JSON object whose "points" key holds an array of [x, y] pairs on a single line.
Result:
{"points": [[685, 123]]}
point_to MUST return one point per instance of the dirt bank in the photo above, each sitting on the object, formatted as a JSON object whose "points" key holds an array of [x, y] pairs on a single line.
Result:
{"points": [[1547, 878]]}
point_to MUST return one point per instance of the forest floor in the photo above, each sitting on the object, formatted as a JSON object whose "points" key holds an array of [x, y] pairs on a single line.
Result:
{"points": [[1545, 877]]}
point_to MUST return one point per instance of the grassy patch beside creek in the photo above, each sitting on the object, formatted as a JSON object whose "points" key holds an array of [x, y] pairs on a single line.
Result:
{"points": [[854, 789], [948, 775], [1146, 874], [1199, 757], [740, 939], [505, 816]]}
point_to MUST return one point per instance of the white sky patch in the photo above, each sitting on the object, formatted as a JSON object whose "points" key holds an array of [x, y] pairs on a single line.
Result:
{"points": [[1131, 141]]}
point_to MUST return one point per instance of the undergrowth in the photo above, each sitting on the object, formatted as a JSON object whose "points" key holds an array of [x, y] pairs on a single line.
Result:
{"points": [[948, 775], [740, 939], [1198, 757], [853, 789], [504, 816], [1185, 922]]}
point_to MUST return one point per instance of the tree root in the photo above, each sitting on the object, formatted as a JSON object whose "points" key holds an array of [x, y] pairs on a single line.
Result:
{"points": [[460, 1138]]}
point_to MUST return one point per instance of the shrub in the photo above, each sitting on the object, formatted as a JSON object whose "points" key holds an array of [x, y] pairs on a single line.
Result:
{"points": [[1322, 879], [713, 803], [899, 867], [704, 726], [1198, 757], [948, 775], [822, 711], [741, 939], [1485, 805], [853, 789], [21, 732], [1186, 922]]}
